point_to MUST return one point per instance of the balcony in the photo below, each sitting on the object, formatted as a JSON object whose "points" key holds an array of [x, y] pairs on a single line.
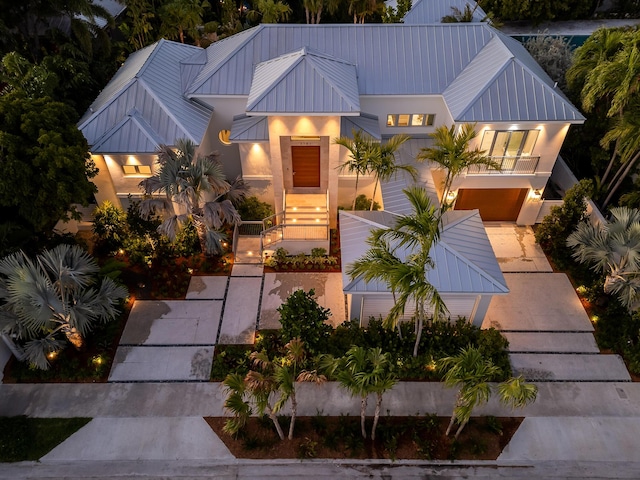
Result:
{"points": [[508, 166]]}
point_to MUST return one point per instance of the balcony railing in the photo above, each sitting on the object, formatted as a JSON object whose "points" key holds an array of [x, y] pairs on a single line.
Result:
{"points": [[508, 166]]}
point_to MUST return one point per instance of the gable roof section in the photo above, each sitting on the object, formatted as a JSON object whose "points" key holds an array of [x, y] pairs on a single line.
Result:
{"points": [[132, 129], [432, 11], [249, 129], [457, 268], [369, 124], [304, 82], [504, 83], [150, 82]]}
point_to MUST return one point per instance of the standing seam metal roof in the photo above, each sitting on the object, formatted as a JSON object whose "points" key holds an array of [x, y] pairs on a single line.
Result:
{"points": [[151, 82]]}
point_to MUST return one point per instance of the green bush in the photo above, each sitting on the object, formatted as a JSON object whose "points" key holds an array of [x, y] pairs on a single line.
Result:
{"points": [[110, 227], [252, 209], [552, 233], [302, 317], [362, 203]]}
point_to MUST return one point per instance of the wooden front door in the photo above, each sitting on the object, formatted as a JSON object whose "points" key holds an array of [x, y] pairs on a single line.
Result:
{"points": [[495, 204], [305, 163]]}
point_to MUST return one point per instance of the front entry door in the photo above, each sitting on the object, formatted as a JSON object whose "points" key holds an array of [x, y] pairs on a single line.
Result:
{"points": [[306, 166]]}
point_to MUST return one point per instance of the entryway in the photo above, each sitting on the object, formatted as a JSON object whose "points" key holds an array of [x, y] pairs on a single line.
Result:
{"points": [[305, 162]]}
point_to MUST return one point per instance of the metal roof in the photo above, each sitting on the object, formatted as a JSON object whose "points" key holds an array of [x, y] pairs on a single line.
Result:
{"points": [[504, 84], [249, 129], [304, 82], [393, 197], [150, 82], [459, 267], [461, 61], [432, 11], [131, 129], [369, 124]]}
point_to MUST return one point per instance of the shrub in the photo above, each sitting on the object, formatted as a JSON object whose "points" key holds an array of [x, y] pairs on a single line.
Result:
{"points": [[552, 233], [110, 227], [302, 317], [252, 209]]}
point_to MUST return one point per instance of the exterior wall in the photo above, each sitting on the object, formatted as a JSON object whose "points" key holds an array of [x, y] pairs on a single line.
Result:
{"points": [[104, 182], [224, 111], [547, 147], [122, 185], [257, 171], [328, 128], [347, 189], [384, 105]]}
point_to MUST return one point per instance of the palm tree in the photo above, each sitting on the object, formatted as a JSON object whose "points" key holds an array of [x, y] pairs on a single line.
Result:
{"points": [[313, 9], [451, 153], [271, 11], [197, 188], [289, 373], [361, 148], [180, 16], [261, 385], [614, 250], [383, 163], [54, 299], [471, 373], [362, 372], [413, 235]]}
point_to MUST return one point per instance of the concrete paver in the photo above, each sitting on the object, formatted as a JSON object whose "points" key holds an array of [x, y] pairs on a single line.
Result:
{"points": [[172, 322], [516, 248], [161, 364], [247, 270], [207, 287], [555, 342], [593, 439], [278, 286], [241, 310], [157, 438], [569, 367], [538, 302]]}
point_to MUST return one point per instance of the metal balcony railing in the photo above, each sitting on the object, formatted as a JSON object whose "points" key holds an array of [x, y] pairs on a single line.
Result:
{"points": [[508, 166]]}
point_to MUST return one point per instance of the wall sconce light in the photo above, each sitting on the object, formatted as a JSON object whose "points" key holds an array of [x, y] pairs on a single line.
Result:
{"points": [[537, 192], [452, 195]]}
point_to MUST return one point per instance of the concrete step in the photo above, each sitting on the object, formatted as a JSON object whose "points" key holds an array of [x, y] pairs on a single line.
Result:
{"points": [[306, 199], [546, 342], [571, 367]]}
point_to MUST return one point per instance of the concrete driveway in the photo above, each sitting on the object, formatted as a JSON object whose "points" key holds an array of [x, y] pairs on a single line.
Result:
{"points": [[516, 248]]}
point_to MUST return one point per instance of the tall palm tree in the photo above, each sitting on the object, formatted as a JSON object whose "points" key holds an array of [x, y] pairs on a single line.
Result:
{"points": [[451, 153], [269, 11], [471, 373], [195, 186], [400, 257], [614, 250], [361, 148], [182, 16], [288, 373], [313, 9], [383, 163], [54, 299]]}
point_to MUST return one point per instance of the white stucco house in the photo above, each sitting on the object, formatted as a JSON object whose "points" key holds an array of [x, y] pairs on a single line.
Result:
{"points": [[271, 100]]}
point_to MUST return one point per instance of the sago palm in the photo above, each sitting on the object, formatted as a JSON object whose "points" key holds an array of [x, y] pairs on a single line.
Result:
{"points": [[54, 298], [195, 186]]}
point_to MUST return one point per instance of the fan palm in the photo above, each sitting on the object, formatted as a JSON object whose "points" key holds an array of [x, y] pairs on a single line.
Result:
{"points": [[383, 163], [198, 188], [361, 148], [53, 299], [614, 250], [400, 257], [452, 154]]}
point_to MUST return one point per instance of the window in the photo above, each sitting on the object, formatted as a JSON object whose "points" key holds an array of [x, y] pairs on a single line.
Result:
{"points": [[136, 170], [410, 119], [509, 143]]}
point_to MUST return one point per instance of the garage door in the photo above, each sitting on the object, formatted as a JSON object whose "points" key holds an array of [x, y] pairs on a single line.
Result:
{"points": [[495, 204], [379, 306]]}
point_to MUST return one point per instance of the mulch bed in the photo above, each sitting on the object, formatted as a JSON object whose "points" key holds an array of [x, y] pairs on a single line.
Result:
{"points": [[396, 438]]}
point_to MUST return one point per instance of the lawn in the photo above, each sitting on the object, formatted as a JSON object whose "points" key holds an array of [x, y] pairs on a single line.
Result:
{"points": [[23, 438]]}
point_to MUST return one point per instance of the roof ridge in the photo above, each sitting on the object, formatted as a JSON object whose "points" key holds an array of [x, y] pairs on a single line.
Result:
{"points": [[94, 114], [327, 78], [271, 85]]}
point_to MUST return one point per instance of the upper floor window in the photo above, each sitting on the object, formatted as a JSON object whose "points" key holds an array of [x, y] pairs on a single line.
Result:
{"points": [[137, 170], [509, 143], [410, 119]]}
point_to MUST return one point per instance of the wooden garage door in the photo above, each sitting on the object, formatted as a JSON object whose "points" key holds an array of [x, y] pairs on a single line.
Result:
{"points": [[306, 166], [495, 204]]}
